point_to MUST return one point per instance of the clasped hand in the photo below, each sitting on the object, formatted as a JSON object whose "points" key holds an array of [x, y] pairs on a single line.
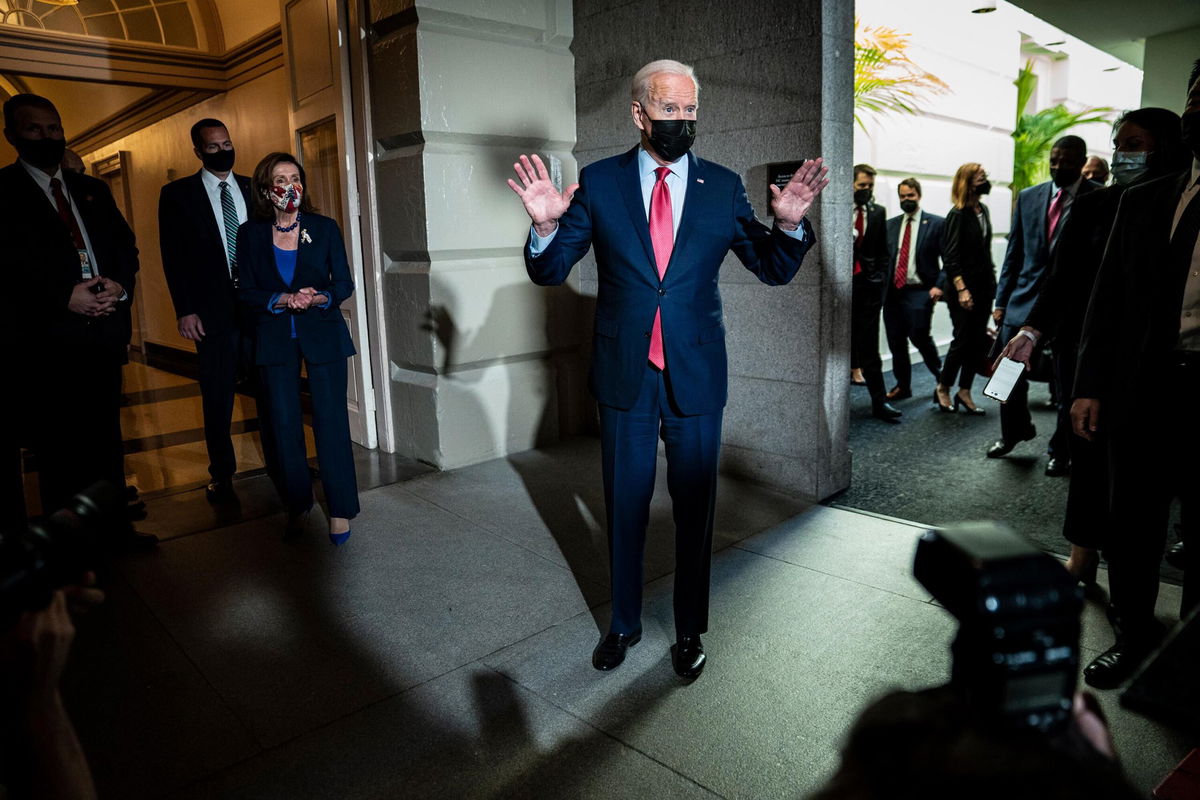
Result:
{"points": [[302, 299], [89, 302]]}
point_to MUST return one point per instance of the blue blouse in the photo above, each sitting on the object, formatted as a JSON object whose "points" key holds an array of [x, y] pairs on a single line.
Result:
{"points": [[285, 264]]}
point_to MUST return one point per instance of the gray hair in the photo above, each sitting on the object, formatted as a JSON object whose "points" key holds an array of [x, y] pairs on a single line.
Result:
{"points": [[639, 88]]}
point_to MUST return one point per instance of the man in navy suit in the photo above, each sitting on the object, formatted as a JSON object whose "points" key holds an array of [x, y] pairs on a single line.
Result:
{"points": [[914, 284], [198, 219], [661, 221], [1039, 216]]}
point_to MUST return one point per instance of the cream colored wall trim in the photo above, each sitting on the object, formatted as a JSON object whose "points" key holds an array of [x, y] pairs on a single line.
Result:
{"points": [[57, 55]]}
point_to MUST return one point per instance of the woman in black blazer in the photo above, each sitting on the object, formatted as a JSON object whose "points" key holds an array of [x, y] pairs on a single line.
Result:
{"points": [[971, 285], [292, 272]]}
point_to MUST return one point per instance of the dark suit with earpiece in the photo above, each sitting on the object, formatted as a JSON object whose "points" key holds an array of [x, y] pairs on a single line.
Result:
{"points": [[908, 309], [320, 340]]}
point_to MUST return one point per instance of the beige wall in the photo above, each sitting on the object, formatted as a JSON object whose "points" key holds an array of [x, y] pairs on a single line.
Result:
{"points": [[257, 116], [243, 19]]}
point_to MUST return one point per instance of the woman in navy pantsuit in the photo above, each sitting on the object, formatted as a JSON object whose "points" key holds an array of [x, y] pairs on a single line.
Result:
{"points": [[292, 270]]}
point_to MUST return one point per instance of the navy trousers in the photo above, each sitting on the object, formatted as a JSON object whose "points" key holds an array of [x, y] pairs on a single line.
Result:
{"points": [[224, 358], [908, 317], [629, 446], [331, 429]]}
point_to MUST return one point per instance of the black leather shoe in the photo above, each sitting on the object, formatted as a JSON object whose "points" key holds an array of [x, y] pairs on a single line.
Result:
{"points": [[611, 651], [899, 393], [1057, 467], [885, 411], [296, 525], [1117, 664], [687, 657], [1174, 555], [219, 491], [130, 541], [1001, 448]]}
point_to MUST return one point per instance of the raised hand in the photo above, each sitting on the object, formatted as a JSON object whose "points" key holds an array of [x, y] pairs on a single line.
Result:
{"points": [[543, 203], [792, 202]]}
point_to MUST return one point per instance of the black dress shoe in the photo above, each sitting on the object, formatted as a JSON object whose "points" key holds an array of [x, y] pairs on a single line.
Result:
{"points": [[1057, 467], [899, 393], [1118, 663], [296, 525], [1174, 555], [130, 541], [885, 411], [1001, 448], [687, 657], [219, 491], [611, 651]]}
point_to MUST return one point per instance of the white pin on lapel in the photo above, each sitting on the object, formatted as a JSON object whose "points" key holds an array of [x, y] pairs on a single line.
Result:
{"points": [[699, 180]]}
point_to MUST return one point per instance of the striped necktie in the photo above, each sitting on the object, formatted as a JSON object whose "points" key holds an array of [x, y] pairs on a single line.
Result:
{"points": [[229, 212]]}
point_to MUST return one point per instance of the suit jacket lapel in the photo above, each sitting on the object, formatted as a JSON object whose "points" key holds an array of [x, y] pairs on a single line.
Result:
{"points": [[630, 184], [200, 198], [694, 194]]}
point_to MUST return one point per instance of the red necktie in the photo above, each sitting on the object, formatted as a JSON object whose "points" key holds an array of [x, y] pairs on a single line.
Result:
{"points": [[65, 213], [859, 224], [902, 264], [662, 236], [1055, 212]]}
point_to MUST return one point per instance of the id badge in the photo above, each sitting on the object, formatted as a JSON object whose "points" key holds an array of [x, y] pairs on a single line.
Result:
{"points": [[85, 266]]}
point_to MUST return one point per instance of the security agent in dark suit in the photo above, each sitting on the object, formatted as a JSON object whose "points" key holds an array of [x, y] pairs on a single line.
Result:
{"points": [[70, 259], [1037, 222], [914, 285], [1143, 328], [870, 276], [661, 222], [198, 220]]}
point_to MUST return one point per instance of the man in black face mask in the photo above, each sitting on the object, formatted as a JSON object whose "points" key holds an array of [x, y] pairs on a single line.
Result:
{"points": [[1037, 220], [869, 283], [198, 219], [1143, 329], [70, 259], [662, 221]]}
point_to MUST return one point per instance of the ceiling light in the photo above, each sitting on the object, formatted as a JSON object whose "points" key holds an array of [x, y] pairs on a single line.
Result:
{"points": [[1054, 44], [985, 7], [1111, 69], [60, 2]]}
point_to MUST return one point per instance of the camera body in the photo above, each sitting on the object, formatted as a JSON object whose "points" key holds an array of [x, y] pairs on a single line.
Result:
{"points": [[57, 550], [1016, 654]]}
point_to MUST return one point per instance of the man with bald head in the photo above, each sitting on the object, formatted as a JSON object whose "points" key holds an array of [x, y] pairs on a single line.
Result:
{"points": [[661, 221]]}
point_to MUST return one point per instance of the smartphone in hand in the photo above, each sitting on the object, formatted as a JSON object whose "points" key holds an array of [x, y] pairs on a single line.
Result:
{"points": [[1004, 379]]}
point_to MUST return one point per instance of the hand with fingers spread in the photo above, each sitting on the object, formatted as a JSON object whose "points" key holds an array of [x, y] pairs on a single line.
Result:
{"points": [[543, 202], [790, 204]]}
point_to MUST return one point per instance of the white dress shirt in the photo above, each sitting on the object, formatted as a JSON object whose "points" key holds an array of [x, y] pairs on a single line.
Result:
{"points": [[212, 185], [1189, 319]]}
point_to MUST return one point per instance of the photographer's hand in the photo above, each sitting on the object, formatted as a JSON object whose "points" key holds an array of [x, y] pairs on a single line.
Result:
{"points": [[1089, 718], [83, 596]]}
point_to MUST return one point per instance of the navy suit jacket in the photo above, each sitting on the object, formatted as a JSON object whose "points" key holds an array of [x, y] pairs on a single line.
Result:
{"points": [[928, 257], [321, 264], [607, 213], [193, 252], [1029, 250]]}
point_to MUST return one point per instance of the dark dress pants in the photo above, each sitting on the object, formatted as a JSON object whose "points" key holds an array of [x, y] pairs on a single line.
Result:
{"points": [[220, 355], [331, 429], [865, 304], [629, 450], [76, 436], [908, 317], [970, 342], [1153, 461]]}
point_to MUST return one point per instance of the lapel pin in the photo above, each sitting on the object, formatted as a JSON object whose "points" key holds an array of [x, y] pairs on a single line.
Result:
{"points": [[699, 180]]}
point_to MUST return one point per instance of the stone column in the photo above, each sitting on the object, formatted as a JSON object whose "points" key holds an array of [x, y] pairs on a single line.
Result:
{"points": [[478, 355], [776, 86]]}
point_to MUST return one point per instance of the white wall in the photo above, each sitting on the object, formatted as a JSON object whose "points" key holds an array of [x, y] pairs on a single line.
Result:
{"points": [[1168, 61]]}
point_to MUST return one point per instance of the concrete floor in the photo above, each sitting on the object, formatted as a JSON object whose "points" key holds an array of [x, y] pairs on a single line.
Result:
{"points": [[444, 651]]}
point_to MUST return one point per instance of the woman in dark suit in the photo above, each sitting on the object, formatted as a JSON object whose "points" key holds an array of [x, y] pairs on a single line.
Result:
{"points": [[971, 283], [292, 271]]}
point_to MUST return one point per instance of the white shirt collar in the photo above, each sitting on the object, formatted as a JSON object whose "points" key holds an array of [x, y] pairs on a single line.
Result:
{"points": [[647, 165], [1195, 172], [213, 182], [43, 180]]}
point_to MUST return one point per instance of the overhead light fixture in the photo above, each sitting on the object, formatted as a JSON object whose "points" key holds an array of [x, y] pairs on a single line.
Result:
{"points": [[986, 7], [1110, 69], [60, 2], [1054, 44]]}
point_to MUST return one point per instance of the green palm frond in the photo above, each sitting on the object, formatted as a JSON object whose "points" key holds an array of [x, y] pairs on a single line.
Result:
{"points": [[885, 78]]}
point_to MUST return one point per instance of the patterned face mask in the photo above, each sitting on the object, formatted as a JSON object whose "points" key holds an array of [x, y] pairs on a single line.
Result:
{"points": [[286, 198]]}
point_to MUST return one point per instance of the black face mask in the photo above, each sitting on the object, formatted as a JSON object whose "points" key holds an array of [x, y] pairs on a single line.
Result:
{"points": [[1064, 177], [908, 206], [1190, 128], [672, 138], [863, 196], [220, 161], [984, 188], [43, 153]]}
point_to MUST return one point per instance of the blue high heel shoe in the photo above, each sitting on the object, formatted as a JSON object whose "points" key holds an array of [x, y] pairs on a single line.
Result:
{"points": [[339, 539]]}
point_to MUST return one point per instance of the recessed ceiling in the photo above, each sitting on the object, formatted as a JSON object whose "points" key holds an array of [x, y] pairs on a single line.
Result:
{"points": [[1117, 27]]}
